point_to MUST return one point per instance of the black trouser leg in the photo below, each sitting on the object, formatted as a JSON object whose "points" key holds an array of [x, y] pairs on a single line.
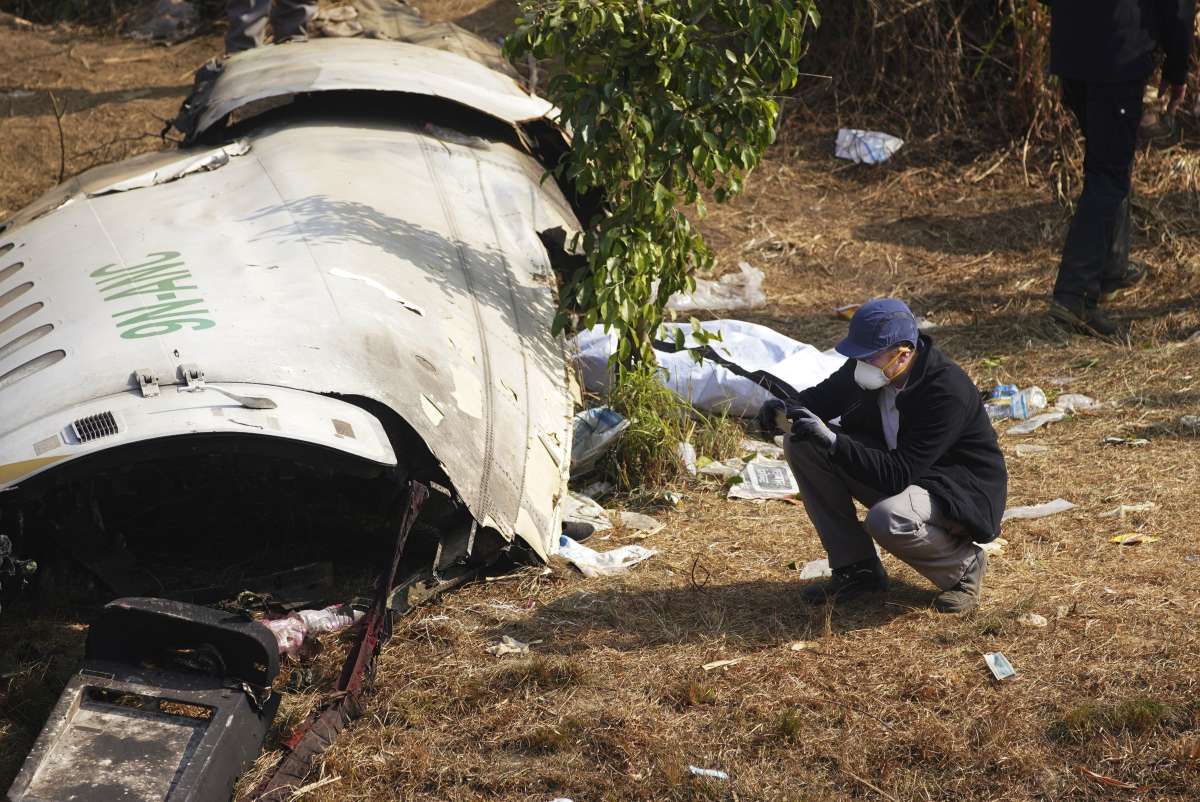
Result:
{"points": [[1097, 245]]}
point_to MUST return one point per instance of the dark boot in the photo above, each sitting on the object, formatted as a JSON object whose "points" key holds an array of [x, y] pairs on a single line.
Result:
{"points": [[847, 582], [1114, 288], [1080, 318], [964, 596]]}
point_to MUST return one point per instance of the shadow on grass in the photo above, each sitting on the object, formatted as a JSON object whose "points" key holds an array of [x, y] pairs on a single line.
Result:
{"points": [[752, 614]]}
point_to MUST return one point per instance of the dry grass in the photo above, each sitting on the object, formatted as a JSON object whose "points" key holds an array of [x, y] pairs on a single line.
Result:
{"points": [[895, 703]]}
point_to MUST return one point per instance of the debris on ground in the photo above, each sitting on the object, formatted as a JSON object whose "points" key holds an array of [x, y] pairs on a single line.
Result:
{"points": [[1190, 422], [1031, 450], [1032, 620], [510, 645], [598, 489], [725, 469], [866, 147], [803, 645], [1037, 422], [741, 290], [1076, 402], [1008, 401], [999, 665], [596, 430], [1126, 441], [721, 664], [736, 373], [1043, 510], [925, 325], [169, 22], [846, 312], [816, 569], [640, 522], [1125, 509], [1133, 539], [715, 774], [338, 21], [687, 455], [593, 563], [292, 631], [580, 509], [761, 448], [765, 479], [994, 548]]}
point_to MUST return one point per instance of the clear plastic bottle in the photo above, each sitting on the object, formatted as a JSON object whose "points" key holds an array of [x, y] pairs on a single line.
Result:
{"points": [[1028, 403], [290, 632]]}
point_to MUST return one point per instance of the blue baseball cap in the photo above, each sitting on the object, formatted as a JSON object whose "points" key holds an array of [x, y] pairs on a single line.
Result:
{"points": [[878, 325]]}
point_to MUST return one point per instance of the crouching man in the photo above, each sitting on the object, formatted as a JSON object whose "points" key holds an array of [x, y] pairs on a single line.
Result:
{"points": [[901, 428]]}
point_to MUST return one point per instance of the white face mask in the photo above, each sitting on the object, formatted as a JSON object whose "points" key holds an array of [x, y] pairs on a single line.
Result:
{"points": [[869, 377]]}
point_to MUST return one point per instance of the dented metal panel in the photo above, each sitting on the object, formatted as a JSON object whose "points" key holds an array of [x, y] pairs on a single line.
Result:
{"points": [[374, 260], [326, 65]]}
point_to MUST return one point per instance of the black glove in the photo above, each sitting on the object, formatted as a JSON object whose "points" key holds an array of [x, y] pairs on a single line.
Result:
{"points": [[768, 416], [807, 426]]}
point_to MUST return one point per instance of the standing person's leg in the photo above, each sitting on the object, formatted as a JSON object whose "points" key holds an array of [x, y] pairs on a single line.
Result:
{"points": [[1109, 116], [290, 19], [247, 24]]}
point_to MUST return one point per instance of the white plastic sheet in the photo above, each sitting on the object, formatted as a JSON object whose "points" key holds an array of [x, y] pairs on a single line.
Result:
{"points": [[866, 147], [593, 563], [596, 430], [741, 290], [1037, 510], [710, 386]]}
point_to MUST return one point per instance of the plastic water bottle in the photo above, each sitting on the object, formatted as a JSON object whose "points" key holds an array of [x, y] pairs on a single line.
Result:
{"points": [[999, 407], [1028, 403]]}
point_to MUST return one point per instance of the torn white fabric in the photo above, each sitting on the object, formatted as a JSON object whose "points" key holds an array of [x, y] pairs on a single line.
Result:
{"points": [[593, 563], [866, 147]]}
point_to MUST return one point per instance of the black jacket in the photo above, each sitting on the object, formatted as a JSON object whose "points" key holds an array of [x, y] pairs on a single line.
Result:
{"points": [[946, 442], [1113, 41]]}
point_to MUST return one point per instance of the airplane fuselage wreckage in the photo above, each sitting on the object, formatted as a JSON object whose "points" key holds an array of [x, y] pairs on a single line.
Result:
{"points": [[222, 354]]}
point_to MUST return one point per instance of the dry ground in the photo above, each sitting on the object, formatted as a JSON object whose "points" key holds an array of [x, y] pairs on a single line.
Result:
{"points": [[895, 702]]}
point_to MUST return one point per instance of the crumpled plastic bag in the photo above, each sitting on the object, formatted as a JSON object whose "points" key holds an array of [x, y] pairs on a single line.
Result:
{"points": [[743, 290], [593, 563], [596, 430], [866, 147]]}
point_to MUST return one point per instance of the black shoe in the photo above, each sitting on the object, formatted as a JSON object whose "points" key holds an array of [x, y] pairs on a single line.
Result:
{"points": [[1111, 289], [865, 576], [1091, 322], [964, 597]]}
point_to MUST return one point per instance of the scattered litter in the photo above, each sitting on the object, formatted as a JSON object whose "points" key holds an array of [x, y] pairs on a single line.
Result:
{"points": [[1043, 510], [1061, 381], [598, 489], [640, 523], [1190, 421], [1031, 450], [509, 645], [338, 22], [721, 664], [925, 325], [742, 290], [1037, 422], [803, 645], [715, 774], [846, 312], [1133, 539], [170, 21], [687, 455], [1126, 441], [816, 569], [291, 632], [866, 147], [1007, 401], [1125, 509], [596, 430], [726, 469], [761, 448], [998, 663], [595, 563], [672, 498], [1032, 620], [1075, 402], [579, 509], [994, 548], [765, 478]]}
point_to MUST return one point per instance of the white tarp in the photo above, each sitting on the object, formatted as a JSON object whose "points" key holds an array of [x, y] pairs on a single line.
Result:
{"points": [[744, 348]]}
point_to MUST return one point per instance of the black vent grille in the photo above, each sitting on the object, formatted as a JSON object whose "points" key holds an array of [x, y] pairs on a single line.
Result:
{"points": [[93, 427]]}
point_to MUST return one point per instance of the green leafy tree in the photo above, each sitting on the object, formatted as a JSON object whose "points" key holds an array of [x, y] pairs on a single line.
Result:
{"points": [[665, 99]]}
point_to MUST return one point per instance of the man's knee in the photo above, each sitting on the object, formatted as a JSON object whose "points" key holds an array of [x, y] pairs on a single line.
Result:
{"points": [[892, 517], [804, 451]]}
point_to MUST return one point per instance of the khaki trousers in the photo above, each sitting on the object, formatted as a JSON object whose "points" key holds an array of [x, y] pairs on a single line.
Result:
{"points": [[909, 525]]}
